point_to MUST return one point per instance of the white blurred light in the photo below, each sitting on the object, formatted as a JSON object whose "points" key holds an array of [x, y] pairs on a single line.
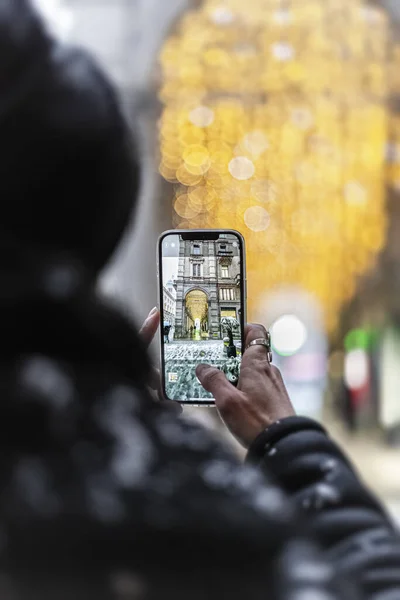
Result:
{"points": [[202, 116], [222, 16], [355, 193], [356, 369], [288, 334], [283, 51], [257, 218], [256, 142], [370, 14], [282, 17], [241, 168], [57, 15]]}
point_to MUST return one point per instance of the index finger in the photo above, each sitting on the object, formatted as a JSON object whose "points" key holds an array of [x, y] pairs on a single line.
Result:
{"points": [[254, 331]]}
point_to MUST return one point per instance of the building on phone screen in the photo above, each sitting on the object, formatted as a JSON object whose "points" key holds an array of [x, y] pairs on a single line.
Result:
{"points": [[207, 287], [169, 304]]}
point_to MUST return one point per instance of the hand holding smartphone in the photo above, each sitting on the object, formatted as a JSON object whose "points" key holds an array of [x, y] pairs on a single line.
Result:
{"points": [[203, 309]]}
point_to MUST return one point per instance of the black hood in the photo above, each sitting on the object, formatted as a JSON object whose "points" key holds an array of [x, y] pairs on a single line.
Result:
{"points": [[68, 175]]}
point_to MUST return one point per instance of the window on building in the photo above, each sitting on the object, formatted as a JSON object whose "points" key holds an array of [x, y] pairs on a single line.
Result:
{"points": [[227, 294], [225, 249], [224, 271], [228, 312], [196, 270], [196, 249]]}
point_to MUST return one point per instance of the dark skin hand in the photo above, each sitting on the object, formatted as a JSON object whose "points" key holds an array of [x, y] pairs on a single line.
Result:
{"points": [[259, 400]]}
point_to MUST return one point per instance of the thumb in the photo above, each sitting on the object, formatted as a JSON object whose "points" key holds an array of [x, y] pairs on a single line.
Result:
{"points": [[214, 381], [150, 326]]}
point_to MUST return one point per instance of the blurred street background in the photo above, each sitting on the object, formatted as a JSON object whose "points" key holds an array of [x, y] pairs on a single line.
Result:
{"points": [[280, 119]]}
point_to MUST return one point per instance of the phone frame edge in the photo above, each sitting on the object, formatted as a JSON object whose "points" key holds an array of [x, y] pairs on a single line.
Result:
{"points": [[195, 402]]}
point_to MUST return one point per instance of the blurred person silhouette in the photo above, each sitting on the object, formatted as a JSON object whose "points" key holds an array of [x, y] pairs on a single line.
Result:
{"points": [[104, 493], [167, 329]]}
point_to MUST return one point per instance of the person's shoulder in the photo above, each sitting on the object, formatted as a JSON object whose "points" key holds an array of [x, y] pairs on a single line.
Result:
{"points": [[143, 447], [113, 466]]}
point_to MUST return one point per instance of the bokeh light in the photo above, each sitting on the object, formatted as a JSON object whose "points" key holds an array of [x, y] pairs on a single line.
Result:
{"points": [[356, 369], [289, 335], [275, 123]]}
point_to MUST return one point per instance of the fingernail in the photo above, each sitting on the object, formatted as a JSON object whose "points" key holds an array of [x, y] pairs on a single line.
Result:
{"points": [[153, 311]]}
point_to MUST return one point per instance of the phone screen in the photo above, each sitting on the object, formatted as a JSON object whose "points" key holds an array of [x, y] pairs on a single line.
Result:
{"points": [[202, 309]]}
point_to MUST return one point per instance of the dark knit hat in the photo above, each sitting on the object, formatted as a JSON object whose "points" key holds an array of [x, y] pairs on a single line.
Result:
{"points": [[68, 176]]}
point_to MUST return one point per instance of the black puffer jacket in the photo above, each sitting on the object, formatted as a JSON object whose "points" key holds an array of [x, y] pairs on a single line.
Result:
{"points": [[338, 509], [98, 483]]}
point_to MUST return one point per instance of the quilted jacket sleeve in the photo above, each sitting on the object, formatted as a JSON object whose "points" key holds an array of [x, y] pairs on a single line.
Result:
{"points": [[339, 510]]}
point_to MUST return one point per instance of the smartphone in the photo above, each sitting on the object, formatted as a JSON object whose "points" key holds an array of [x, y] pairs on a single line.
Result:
{"points": [[202, 288]]}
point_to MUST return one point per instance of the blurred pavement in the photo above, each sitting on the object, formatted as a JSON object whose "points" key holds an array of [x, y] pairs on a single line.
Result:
{"points": [[378, 464]]}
